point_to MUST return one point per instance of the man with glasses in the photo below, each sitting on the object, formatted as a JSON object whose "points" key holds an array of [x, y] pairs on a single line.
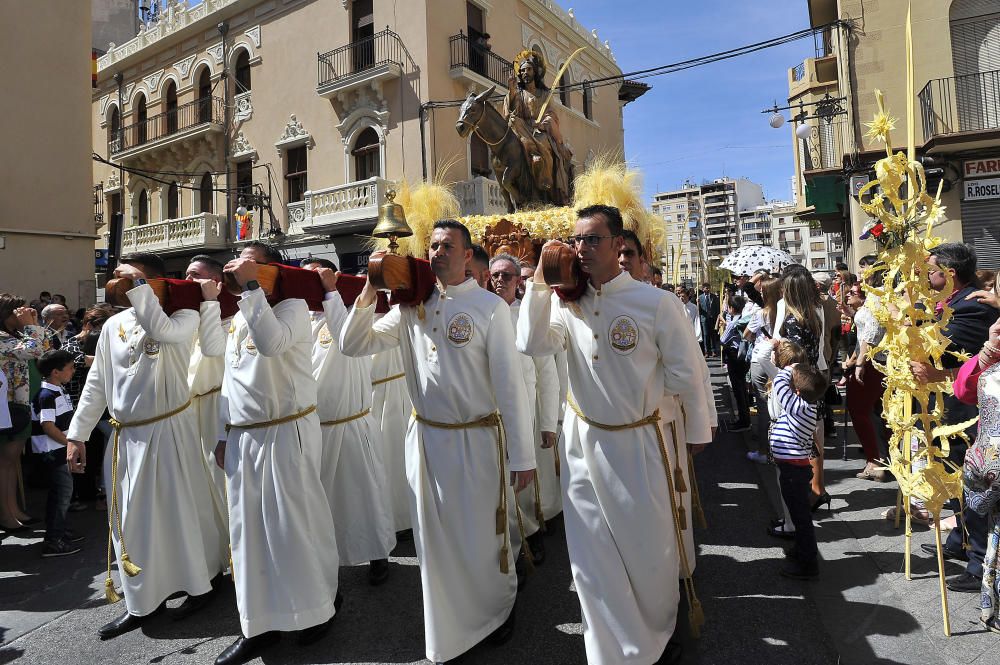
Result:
{"points": [[542, 502], [467, 388], [628, 348]]}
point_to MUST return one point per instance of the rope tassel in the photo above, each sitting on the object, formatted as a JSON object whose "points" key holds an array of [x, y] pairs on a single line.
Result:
{"points": [[128, 567], [679, 483], [682, 518], [110, 593], [696, 618]]}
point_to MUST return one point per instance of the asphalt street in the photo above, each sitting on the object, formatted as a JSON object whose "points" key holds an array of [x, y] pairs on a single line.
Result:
{"points": [[862, 610]]}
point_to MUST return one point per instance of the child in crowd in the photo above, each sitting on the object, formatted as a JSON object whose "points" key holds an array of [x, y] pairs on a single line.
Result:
{"points": [[52, 411], [796, 389]]}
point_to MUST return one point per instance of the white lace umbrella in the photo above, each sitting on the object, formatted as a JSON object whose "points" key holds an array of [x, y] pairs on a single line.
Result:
{"points": [[749, 259]]}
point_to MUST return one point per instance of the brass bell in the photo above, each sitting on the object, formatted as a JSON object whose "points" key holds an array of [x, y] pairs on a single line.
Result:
{"points": [[391, 222]]}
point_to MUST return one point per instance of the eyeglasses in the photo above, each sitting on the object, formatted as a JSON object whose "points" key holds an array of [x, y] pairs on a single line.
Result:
{"points": [[505, 276], [593, 239]]}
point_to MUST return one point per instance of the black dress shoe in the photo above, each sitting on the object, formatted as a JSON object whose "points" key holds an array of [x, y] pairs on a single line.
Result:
{"points": [[404, 536], [672, 653], [191, 605], [125, 623], [779, 532], [536, 542], [502, 634], [315, 633], [378, 571], [946, 552], [965, 583], [245, 649]]}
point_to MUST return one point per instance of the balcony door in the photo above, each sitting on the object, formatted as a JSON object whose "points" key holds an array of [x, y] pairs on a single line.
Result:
{"points": [[171, 107], [204, 96], [140, 120], [475, 24], [362, 34], [366, 155], [975, 41]]}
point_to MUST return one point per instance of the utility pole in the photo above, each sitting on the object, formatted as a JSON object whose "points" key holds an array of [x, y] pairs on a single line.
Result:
{"points": [[223, 28], [116, 222]]}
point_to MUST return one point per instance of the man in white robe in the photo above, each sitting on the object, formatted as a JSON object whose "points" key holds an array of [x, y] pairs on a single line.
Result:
{"points": [[285, 562], [391, 407], [205, 380], [626, 349], [461, 372], [631, 259], [153, 471], [351, 470], [542, 388]]}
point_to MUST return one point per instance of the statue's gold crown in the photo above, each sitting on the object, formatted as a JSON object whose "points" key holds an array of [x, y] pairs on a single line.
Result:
{"points": [[536, 58]]}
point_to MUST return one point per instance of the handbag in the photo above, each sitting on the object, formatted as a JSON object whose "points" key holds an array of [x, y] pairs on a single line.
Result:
{"points": [[20, 419]]}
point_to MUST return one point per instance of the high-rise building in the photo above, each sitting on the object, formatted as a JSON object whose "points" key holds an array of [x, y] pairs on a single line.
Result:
{"points": [[703, 224], [956, 66], [311, 110]]}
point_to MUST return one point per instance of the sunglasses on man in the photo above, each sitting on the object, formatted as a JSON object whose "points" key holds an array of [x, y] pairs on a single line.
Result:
{"points": [[592, 239]]}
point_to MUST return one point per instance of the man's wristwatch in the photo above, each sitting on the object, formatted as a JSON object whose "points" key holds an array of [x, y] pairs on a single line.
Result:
{"points": [[139, 282], [252, 285]]}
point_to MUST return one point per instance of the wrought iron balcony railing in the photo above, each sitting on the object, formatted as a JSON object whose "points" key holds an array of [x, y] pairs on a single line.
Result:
{"points": [[468, 53], [206, 110], [382, 48], [967, 103]]}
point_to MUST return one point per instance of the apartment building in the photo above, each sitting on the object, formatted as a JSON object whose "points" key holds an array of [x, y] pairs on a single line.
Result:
{"points": [[776, 224], [308, 111], [703, 224], [956, 61]]}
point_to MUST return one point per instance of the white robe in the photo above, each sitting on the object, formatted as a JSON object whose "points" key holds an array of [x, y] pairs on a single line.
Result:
{"points": [[139, 373], [204, 379], [351, 467], [460, 365], [670, 413], [542, 388], [284, 548], [391, 408], [626, 350]]}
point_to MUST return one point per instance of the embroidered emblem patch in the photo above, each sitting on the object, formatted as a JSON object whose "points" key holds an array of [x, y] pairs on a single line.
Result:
{"points": [[151, 348], [460, 329], [325, 338], [623, 335]]}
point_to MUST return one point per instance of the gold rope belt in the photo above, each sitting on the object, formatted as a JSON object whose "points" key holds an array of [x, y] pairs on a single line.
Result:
{"points": [[695, 613], [115, 517], [388, 379], [341, 421], [208, 392], [277, 421], [492, 420]]}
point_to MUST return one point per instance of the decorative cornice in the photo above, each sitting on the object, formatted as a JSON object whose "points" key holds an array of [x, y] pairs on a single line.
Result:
{"points": [[294, 135]]}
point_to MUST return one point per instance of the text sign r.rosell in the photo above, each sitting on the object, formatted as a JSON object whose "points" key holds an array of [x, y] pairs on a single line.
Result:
{"points": [[976, 190]]}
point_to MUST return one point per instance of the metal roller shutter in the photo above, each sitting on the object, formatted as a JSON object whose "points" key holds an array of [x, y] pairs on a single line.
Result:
{"points": [[981, 229]]}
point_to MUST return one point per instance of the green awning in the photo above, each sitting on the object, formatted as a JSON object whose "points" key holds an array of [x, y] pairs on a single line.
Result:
{"points": [[827, 194]]}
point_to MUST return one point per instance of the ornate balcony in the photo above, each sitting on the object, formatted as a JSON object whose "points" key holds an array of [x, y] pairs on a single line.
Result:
{"points": [[473, 64], [481, 196], [339, 209], [369, 61], [194, 233], [192, 120]]}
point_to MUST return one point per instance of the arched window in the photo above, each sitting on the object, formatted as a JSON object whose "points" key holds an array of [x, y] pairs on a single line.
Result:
{"points": [[205, 193], [140, 119], [366, 155], [563, 84], [243, 72], [173, 201], [205, 96], [114, 129], [588, 100], [171, 107], [143, 212]]}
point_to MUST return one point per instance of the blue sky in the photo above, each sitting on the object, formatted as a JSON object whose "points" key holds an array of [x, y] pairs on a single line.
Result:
{"points": [[705, 122]]}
